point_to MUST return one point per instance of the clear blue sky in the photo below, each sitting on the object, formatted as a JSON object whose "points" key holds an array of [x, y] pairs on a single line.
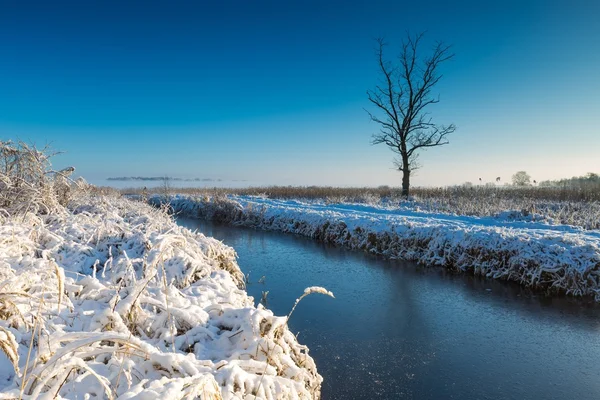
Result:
{"points": [[273, 92]]}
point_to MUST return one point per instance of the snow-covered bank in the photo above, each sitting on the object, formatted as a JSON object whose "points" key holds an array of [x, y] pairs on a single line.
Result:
{"points": [[111, 299], [556, 258]]}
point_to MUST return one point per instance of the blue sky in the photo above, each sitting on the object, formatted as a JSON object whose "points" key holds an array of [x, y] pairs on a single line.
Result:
{"points": [[273, 92]]}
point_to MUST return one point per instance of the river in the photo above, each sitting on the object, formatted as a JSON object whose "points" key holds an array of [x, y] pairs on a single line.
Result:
{"points": [[400, 331]]}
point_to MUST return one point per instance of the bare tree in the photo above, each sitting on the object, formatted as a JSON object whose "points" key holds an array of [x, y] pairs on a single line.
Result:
{"points": [[401, 100]]}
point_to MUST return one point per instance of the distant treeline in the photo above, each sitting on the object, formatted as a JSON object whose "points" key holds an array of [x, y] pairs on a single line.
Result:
{"points": [[588, 181], [161, 178]]}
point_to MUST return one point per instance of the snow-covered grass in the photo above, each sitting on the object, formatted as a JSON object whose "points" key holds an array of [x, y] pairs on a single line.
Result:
{"points": [[531, 251], [27, 182], [578, 206], [103, 297], [112, 299]]}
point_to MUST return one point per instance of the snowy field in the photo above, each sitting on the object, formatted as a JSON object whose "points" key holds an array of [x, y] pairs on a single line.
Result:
{"points": [[511, 246], [572, 205], [109, 298]]}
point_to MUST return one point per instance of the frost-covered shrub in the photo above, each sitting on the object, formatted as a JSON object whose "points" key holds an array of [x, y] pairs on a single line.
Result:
{"points": [[27, 182], [215, 208]]}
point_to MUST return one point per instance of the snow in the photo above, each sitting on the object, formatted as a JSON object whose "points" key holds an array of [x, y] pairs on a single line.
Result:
{"points": [[112, 299], [555, 258]]}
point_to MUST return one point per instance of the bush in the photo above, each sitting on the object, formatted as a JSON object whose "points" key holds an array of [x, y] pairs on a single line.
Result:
{"points": [[27, 182]]}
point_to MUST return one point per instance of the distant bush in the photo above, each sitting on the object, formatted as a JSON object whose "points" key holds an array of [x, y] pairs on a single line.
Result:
{"points": [[521, 178]]}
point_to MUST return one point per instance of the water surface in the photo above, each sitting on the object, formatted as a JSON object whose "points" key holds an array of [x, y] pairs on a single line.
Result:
{"points": [[399, 331]]}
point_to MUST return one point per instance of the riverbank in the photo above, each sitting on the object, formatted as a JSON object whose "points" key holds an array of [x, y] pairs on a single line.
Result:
{"points": [[110, 298], [557, 259]]}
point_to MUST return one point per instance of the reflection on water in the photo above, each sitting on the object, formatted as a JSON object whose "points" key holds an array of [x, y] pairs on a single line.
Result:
{"points": [[396, 330]]}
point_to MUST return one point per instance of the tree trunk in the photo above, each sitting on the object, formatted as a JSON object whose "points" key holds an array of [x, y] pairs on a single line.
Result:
{"points": [[405, 182]]}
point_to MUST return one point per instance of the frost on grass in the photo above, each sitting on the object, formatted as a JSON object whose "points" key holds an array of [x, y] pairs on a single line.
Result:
{"points": [[318, 289], [308, 291], [110, 298], [537, 254]]}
